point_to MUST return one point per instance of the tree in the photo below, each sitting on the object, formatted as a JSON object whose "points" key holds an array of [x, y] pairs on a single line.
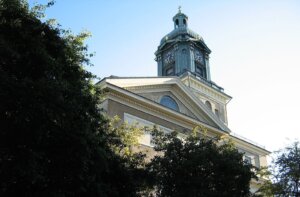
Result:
{"points": [[123, 140], [197, 166], [284, 173], [54, 141]]}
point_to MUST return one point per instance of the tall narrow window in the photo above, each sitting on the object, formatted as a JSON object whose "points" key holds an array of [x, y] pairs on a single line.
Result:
{"points": [[217, 112], [176, 23], [200, 64], [247, 159], [200, 70]]}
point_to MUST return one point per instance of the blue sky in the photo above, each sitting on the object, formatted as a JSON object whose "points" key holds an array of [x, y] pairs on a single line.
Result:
{"points": [[255, 52]]}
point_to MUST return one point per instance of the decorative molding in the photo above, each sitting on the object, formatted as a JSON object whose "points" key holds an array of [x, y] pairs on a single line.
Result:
{"points": [[158, 57], [160, 111], [192, 47], [208, 91], [175, 47]]}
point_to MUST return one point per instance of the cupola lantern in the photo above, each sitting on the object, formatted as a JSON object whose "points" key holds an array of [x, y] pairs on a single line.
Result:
{"points": [[180, 19]]}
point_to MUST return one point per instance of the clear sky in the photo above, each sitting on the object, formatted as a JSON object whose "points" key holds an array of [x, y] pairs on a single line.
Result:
{"points": [[255, 52]]}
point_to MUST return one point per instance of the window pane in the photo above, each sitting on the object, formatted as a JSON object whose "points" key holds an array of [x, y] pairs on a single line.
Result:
{"points": [[248, 159], [167, 101]]}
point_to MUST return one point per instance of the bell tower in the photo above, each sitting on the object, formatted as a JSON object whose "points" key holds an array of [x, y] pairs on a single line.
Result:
{"points": [[183, 50], [183, 53]]}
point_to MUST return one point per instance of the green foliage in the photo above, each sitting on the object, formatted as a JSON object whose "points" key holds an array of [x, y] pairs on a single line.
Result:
{"points": [[38, 10], [126, 137], [197, 166], [54, 140], [123, 140], [284, 173], [265, 187]]}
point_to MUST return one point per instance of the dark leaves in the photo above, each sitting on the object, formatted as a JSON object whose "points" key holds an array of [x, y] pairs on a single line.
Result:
{"points": [[196, 166], [53, 137]]}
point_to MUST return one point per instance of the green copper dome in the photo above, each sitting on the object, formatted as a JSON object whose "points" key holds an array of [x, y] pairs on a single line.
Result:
{"points": [[181, 32]]}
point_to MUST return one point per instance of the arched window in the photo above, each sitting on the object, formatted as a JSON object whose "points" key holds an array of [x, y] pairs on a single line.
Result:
{"points": [[167, 101], [176, 23], [200, 70], [208, 104]]}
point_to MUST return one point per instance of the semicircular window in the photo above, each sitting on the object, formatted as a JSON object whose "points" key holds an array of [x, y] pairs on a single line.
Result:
{"points": [[167, 101]]}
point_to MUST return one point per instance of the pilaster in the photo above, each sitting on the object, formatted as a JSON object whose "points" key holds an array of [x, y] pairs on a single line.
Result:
{"points": [[192, 58], [159, 65], [207, 67]]}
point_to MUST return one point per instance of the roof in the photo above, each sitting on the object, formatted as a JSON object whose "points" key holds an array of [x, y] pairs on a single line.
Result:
{"points": [[181, 31]]}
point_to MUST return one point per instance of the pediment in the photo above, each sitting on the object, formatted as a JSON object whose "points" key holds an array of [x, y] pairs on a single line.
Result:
{"points": [[156, 87]]}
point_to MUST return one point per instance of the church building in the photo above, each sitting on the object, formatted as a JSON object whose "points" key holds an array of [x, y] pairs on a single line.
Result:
{"points": [[181, 96]]}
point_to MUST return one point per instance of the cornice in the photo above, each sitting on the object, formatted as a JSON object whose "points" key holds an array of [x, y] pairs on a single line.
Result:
{"points": [[205, 88], [248, 146], [147, 87]]}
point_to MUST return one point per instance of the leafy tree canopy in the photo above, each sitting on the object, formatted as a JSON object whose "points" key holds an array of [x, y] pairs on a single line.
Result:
{"points": [[53, 139], [284, 173], [197, 166]]}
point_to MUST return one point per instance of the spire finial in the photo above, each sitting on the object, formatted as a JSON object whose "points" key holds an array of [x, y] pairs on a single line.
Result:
{"points": [[179, 9]]}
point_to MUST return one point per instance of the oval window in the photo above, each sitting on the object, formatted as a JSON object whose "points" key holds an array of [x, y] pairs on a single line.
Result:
{"points": [[167, 101]]}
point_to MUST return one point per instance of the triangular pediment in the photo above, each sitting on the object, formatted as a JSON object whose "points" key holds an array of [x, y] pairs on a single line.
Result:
{"points": [[154, 88]]}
